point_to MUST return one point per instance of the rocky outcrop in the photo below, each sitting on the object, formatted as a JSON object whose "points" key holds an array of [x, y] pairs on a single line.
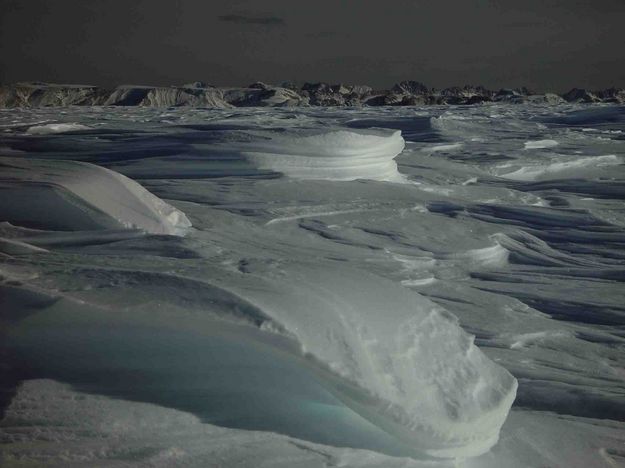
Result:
{"points": [[547, 98], [43, 94], [190, 96], [288, 94], [324, 94], [613, 95], [263, 95], [610, 95], [580, 95], [465, 95], [408, 93], [51, 95]]}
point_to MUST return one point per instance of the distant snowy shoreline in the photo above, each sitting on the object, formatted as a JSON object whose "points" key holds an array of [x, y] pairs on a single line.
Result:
{"points": [[199, 94]]}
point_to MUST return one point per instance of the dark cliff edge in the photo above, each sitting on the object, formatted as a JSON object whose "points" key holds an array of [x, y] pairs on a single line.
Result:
{"points": [[198, 94]]}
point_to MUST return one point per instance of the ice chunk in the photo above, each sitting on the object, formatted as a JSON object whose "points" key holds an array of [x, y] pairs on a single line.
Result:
{"points": [[74, 196]]}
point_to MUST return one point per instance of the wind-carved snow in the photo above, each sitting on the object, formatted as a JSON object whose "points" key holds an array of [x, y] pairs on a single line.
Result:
{"points": [[540, 144], [331, 155], [314, 316], [415, 372], [70, 195], [53, 128], [543, 171]]}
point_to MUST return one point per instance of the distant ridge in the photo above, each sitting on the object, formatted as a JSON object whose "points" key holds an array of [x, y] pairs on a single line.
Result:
{"points": [[199, 94]]}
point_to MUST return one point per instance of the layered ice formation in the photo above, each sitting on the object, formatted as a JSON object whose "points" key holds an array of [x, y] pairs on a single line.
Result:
{"points": [[331, 154]]}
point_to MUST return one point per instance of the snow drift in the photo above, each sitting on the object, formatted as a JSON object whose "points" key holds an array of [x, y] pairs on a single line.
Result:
{"points": [[77, 196], [331, 155], [404, 362]]}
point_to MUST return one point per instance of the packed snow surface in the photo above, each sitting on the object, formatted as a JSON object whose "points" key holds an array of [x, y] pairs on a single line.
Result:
{"points": [[385, 287]]}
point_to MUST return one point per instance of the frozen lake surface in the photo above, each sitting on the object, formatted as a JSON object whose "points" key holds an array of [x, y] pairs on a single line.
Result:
{"points": [[376, 287]]}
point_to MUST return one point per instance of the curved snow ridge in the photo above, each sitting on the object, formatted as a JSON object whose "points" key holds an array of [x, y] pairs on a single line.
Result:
{"points": [[532, 173], [52, 128], [16, 247], [494, 256], [540, 144], [78, 196], [526, 249], [394, 357], [442, 148], [335, 154]]}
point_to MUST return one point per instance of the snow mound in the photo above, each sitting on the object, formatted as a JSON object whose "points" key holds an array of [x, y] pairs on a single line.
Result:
{"points": [[52, 128], [540, 144], [331, 155], [404, 363], [570, 167], [78, 196]]}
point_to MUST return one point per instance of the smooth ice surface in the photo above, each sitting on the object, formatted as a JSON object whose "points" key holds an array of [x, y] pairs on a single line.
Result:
{"points": [[318, 313]]}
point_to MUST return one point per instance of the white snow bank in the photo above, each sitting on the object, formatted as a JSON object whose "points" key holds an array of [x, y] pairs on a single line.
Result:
{"points": [[405, 364], [331, 155], [52, 128], [439, 148], [76, 196], [539, 144]]}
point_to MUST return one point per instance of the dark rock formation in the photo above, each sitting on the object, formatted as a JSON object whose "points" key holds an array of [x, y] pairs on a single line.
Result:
{"points": [[408, 93], [259, 94], [166, 97], [465, 95], [410, 87], [42, 94], [580, 95], [613, 95], [197, 84]]}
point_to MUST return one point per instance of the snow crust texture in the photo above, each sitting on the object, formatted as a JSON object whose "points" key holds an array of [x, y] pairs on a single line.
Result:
{"points": [[384, 287]]}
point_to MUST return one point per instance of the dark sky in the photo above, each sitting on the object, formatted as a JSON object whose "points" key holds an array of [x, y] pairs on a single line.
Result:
{"points": [[543, 44]]}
